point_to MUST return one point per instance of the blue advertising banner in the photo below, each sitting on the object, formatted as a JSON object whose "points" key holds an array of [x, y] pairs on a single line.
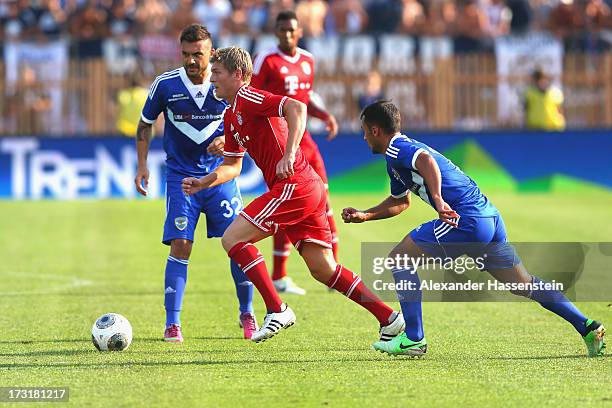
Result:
{"points": [[93, 167], [90, 167]]}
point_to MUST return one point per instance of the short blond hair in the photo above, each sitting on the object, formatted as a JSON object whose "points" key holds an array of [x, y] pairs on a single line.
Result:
{"points": [[234, 58]]}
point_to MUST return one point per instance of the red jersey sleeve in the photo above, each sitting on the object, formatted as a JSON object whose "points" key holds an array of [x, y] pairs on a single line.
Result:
{"points": [[261, 103], [231, 148]]}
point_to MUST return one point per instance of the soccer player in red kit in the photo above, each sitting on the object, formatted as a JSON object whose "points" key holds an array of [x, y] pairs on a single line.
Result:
{"points": [[270, 127], [289, 70]]}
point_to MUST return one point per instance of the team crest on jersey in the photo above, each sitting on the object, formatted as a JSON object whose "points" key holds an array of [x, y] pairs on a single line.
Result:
{"points": [[284, 70], [306, 68], [239, 118], [180, 223]]}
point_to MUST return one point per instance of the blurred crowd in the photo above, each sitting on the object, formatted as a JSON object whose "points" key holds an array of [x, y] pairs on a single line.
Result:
{"points": [[466, 20]]}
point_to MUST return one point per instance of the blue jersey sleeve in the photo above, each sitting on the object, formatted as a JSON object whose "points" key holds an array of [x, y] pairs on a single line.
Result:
{"points": [[154, 105], [398, 188], [404, 153]]}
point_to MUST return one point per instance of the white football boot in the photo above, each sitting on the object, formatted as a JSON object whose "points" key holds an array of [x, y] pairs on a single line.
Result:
{"points": [[394, 328], [273, 323]]}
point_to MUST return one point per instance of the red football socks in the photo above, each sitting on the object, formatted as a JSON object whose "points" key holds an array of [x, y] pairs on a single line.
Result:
{"points": [[351, 286], [252, 263], [282, 248]]}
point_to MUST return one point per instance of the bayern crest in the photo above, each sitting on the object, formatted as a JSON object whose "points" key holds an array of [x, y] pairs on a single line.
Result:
{"points": [[239, 118], [306, 68]]}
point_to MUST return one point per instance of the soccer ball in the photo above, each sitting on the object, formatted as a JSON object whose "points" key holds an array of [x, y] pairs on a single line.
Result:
{"points": [[111, 332]]}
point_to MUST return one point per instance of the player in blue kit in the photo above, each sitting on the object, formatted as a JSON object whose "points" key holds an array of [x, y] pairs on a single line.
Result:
{"points": [[467, 224], [193, 142]]}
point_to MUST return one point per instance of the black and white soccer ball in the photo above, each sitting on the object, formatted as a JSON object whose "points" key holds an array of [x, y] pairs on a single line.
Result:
{"points": [[111, 332]]}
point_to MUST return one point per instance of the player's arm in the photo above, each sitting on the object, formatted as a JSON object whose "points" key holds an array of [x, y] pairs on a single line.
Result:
{"points": [[228, 170], [317, 110], [294, 113], [390, 207], [144, 133], [427, 167]]}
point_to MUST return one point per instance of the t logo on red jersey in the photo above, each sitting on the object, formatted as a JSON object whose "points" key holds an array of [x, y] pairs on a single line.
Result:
{"points": [[291, 84]]}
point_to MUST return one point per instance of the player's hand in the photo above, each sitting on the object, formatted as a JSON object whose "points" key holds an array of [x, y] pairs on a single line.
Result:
{"points": [[352, 215], [216, 146], [142, 180], [191, 185], [284, 167], [332, 127], [446, 213]]}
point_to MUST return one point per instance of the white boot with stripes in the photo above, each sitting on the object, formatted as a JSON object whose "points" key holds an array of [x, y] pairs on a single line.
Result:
{"points": [[391, 330], [273, 323]]}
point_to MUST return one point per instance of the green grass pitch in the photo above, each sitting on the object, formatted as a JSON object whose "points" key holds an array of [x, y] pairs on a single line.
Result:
{"points": [[64, 264]]}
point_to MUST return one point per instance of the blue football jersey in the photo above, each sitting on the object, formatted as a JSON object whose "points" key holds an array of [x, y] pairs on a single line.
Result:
{"points": [[458, 190], [194, 117]]}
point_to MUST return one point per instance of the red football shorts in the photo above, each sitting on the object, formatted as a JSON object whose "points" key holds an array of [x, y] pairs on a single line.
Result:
{"points": [[297, 209], [313, 156]]}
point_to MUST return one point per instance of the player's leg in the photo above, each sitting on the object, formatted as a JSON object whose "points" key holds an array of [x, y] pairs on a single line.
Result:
{"points": [[430, 239], [555, 301], [412, 341], [323, 267], [237, 241], [313, 155], [281, 251], [504, 265], [182, 215], [332, 228], [221, 204], [175, 282]]}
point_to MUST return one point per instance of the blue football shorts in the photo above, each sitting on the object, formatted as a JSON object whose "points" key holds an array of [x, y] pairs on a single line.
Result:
{"points": [[477, 237], [221, 204]]}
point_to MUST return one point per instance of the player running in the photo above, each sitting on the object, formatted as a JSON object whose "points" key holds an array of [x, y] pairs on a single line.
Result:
{"points": [[270, 127], [193, 141], [289, 70], [467, 223]]}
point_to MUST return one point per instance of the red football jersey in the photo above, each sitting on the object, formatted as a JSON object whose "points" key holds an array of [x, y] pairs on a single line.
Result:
{"points": [[254, 123], [282, 74]]}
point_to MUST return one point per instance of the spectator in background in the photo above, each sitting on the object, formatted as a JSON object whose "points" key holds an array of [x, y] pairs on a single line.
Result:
{"points": [[598, 15], [43, 19], [152, 16], [413, 17], [130, 102], [522, 15], [311, 14], [238, 20], [257, 14], [88, 26], [211, 13], [274, 8], [498, 17], [121, 48], [543, 104], [565, 19], [9, 22], [384, 15], [346, 17], [122, 18], [440, 16], [181, 17], [472, 24], [373, 91]]}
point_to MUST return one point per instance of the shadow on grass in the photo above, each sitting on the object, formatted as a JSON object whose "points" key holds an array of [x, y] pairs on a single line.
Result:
{"points": [[86, 340], [127, 364], [572, 356], [99, 294]]}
